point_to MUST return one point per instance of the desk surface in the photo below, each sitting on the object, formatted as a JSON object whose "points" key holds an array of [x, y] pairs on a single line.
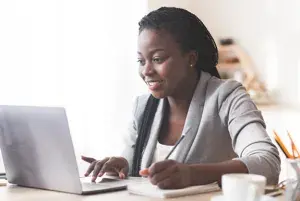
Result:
{"points": [[16, 193]]}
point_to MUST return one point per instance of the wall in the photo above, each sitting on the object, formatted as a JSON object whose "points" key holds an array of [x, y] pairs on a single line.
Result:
{"points": [[77, 54], [267, 30], [154, 4]]}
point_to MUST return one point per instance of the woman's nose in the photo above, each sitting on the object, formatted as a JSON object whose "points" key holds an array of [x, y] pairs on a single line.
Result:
{"points": [[147, 69]]}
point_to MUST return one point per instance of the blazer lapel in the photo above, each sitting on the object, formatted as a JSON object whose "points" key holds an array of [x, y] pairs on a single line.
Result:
{"points": [[190, 128], [193, 119], [154, 131]]}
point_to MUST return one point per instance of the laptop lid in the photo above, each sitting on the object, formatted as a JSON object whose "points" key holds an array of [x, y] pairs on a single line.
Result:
{"points": [[37, 148]]}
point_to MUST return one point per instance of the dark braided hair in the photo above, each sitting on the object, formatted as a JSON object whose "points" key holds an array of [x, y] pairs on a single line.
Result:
{"points": [[143, 134], [191, 34], [188, 31]]}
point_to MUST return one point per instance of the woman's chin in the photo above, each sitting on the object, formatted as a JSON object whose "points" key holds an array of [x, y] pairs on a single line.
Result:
{"points": [[158, 95]]}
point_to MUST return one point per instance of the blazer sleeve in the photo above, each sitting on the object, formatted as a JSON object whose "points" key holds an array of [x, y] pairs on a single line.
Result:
{"points": [[247, 130], [129, 139]]}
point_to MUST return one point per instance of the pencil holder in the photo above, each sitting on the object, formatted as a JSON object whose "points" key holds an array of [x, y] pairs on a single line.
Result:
{"points": [[292, 191]]}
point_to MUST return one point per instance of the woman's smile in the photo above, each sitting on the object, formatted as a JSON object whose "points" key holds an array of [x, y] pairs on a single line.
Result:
{"points": [[154, 84]]}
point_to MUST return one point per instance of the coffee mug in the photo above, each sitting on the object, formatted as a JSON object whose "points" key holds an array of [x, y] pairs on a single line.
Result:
{"points": [[243, 187]]}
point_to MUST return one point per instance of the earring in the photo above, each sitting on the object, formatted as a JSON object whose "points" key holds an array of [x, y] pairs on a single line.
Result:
{"points": [[191, 65]]}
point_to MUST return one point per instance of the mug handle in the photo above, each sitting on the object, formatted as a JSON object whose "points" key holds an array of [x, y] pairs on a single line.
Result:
{"points": [[253, 193]]}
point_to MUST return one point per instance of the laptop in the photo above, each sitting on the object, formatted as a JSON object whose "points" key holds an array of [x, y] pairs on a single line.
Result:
{"points": [[38, 152]]}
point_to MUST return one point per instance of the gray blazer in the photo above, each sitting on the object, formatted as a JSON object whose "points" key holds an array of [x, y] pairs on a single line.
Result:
{"points": [[222, 123]]}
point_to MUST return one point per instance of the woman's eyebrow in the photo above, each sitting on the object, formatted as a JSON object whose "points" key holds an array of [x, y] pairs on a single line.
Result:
{"points": [[157, 50], [154, 50]]}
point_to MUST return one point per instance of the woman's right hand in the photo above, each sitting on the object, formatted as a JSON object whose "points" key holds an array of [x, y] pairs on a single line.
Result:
{"points": [[117, 165]]}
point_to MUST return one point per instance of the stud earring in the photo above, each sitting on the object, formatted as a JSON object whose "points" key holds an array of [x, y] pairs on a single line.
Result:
{"points": [[191, 65]]}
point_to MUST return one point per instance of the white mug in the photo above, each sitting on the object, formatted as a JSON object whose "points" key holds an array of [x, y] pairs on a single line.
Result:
{"points": [[243, 187]]}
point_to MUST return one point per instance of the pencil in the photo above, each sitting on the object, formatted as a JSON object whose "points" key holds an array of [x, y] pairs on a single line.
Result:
{"points": [[281, 145], [294, 148], [286, 155]]}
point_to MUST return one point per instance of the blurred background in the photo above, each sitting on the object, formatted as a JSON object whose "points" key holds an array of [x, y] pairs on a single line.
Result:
{"points": [[82, 55]]}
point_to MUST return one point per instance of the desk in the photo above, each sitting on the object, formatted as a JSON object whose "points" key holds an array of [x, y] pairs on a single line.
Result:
{"points": [[16, 193]]}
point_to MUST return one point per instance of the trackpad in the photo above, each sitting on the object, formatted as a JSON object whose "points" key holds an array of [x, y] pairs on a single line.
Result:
{"points": [[103, 184], [103, 179]]}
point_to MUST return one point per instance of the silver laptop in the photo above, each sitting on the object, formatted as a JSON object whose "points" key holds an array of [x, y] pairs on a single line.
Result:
{"points": [[38, 152]]}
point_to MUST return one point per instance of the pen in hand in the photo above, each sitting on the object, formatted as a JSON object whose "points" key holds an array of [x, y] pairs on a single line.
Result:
{"points": [[145, 172]]}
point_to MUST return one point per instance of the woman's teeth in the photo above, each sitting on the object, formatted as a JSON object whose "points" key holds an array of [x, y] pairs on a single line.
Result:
{"points": [[151, 83]]}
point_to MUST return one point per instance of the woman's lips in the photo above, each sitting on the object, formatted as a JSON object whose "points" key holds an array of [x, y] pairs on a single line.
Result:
{"points": [[154, 84]]}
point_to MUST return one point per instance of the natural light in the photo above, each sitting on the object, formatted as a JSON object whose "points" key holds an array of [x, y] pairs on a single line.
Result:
{"points": [[76, 54]]}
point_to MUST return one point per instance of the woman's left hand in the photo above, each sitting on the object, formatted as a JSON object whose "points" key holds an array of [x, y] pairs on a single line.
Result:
{"points": [[169, 174]]}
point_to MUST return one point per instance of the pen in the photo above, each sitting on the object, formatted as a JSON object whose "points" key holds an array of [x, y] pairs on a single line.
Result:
{"points": [[145, 172], [172, 150]]}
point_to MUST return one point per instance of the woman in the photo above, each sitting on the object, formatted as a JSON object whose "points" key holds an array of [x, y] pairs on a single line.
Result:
{"points": [[224, 131]]}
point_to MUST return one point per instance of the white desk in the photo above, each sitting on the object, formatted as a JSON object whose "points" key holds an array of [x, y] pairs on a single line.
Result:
{"points": [[16, 193]]}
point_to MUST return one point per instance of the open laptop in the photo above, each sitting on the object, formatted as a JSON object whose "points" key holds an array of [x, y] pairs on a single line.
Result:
{"points": [[38, 152]]}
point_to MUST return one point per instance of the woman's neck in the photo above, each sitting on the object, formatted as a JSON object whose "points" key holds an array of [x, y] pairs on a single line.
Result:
{"points": [[179, 103]]}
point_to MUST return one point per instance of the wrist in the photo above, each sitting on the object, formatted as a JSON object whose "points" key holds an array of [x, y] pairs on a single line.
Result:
{"points": [[202, 174], [195, 175], [208, 173]]}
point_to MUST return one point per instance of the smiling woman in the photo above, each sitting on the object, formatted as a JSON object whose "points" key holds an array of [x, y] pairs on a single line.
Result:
{"points": [[223, 130]]}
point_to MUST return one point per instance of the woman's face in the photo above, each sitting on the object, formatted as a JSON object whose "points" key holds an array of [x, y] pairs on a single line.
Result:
{"points": [[162, 64]]}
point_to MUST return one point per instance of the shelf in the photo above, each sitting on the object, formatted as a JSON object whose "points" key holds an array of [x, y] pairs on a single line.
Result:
{"points": [[228, 66]]}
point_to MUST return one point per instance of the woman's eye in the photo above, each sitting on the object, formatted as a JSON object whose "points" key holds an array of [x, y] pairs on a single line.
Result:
{"points": [[157, 60], [141, 62]]}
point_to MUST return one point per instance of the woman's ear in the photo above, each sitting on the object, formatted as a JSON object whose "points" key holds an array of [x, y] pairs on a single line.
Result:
{"points": [[192, 58]]}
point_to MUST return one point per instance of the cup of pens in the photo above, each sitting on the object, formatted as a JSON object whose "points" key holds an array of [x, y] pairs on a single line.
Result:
{"points": [[292, 182]]}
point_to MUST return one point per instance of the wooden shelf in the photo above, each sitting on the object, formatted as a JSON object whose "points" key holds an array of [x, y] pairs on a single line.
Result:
{"points": [[228, 66], [243, 69]]}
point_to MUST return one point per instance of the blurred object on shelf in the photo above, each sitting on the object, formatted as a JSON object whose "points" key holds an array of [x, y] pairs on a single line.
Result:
{"points": [[235, 63]]}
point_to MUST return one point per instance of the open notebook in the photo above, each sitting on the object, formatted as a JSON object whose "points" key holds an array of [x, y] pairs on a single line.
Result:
{"points": [[147, 189]]}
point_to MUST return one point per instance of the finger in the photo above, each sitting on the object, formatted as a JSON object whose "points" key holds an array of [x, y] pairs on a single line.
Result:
{"points": [[160, 176], [90, 169], [97, 168], [123, 173], [115, 174], [160, 166], [167, 184], [110, 166], [88, 159], [144, 172]]}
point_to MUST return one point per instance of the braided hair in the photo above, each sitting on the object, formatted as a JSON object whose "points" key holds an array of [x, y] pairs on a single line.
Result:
{"points": [[191, 35], [188, 31]]}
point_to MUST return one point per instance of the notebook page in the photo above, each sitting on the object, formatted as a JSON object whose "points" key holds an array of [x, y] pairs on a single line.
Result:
{"points": [[145, 188]]}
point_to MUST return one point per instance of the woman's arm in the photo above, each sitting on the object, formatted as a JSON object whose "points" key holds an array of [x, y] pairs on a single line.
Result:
{"points": [[247, 130], [170, 174], [208, 173]]}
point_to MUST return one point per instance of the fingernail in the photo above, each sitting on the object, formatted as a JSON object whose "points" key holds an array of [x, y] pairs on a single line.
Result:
{"points": [[93, 179], [122, 175], [144, 172], [85, 174], [100, 174]]}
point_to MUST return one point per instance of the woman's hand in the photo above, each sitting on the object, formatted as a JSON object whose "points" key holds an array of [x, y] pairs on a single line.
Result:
{"points": [[116, 165], [168, 174]]}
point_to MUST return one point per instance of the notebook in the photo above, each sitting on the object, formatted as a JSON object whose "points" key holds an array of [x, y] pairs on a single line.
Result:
{"points": [[145, 188]]}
